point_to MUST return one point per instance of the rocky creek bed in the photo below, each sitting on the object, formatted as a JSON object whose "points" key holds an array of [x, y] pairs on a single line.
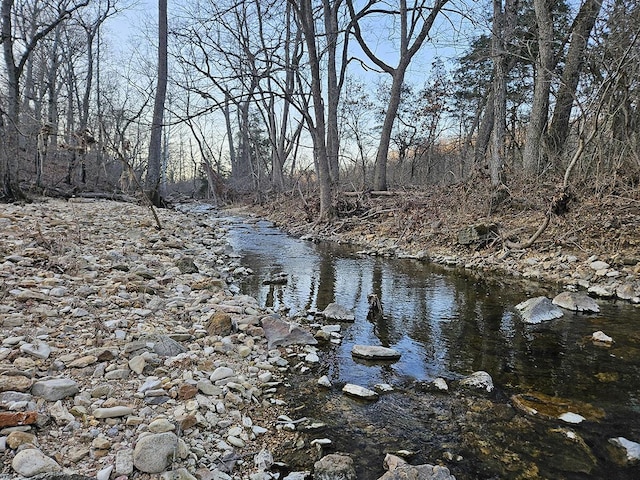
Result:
{"points": [[128, 352]]}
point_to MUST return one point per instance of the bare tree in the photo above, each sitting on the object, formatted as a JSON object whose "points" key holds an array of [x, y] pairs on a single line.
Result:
{"points": [[415, 21], [16, 56], [152, 180]]}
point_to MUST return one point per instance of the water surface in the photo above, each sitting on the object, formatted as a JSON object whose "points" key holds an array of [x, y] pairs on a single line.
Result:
{"points": [[449, 324]]}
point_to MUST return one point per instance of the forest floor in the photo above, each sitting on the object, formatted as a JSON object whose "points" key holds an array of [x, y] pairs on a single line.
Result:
{"points": [[426, 223]]}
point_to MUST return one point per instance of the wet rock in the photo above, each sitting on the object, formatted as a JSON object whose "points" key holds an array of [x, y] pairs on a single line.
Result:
{"points": [[153, 453], [359, 392], [374, 352], [55, 389], [551, 408], [280, 333], [276, 279], [538, 309], [600, 338], [399, 469], [334, 467], [478, 380], [338, 313], [576, 301], [631, 450], [31, 462]]}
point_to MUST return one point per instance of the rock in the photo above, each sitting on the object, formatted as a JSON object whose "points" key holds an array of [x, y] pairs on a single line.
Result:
{"points": [[600, 337], [60, 413], [399, 469], [137, 364], [161, 425], [16, 439], [478, 380], [571, 417], [220, 323], [124, 461], [478, 234], [14, 419], [338, 313], [153, 453], [599, 265], [83, 362], [163, 345], [31, 462], [374, 352], [55, 389], [16, 383], [626, 292], [186, 265], [334, 467], [631, 449], [178, 474], [221, 373], [440, 384], [36, 349], [360, 392], [112, 412], [576, 301], [538, 309], [280, 333], [324, 381], [551, 408]]}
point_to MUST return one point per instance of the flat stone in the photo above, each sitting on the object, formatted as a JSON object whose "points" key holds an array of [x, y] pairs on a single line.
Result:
{"points": [[599, 265], [16, 439], [16, 383], [161, 425], [374, 352], [153, 453], [280, 333], [221, 373], [538, 309], [338, 313], [55, 389], [83, 362], [601, 337], [360, 392], [36, 349], [112, 412], [576, 301], [14, 419], [31, 462]]}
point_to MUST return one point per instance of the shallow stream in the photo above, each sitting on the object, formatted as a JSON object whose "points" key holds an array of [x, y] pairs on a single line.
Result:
{"points": [[449, 324]]}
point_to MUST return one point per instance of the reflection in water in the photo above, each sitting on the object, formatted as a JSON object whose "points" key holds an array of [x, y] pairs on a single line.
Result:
{"points": [[448, 325]]}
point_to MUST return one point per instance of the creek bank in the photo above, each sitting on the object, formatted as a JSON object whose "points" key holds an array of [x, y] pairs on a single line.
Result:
{"points": [[594, 248]]}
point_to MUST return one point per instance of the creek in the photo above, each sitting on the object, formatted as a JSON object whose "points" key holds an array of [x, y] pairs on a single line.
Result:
{"points": [[448, 324]]}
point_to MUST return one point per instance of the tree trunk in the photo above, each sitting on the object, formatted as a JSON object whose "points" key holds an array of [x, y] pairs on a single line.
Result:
{"points": [[331, 8], [582, 26], [533, 155], [152, 181]]}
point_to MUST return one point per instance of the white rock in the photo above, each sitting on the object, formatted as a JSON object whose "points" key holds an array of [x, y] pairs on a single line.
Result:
{"points": [[374, 352], [105, 473], [221, 373], [31, 462], [571, 417], [153, 453], [124, 461], [440, 384], [601, 337], [599, 265], [632, 448], [480, 380], [360, 392], [112, 412], [324, 381]]}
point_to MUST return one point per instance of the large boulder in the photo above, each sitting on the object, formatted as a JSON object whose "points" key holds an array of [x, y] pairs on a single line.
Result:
{"points": [[280, 333], [478, 234], [538, 309], [576, 301]]}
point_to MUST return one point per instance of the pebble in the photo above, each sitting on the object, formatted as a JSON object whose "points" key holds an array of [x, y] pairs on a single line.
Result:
{"points": [[112, 412]]}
